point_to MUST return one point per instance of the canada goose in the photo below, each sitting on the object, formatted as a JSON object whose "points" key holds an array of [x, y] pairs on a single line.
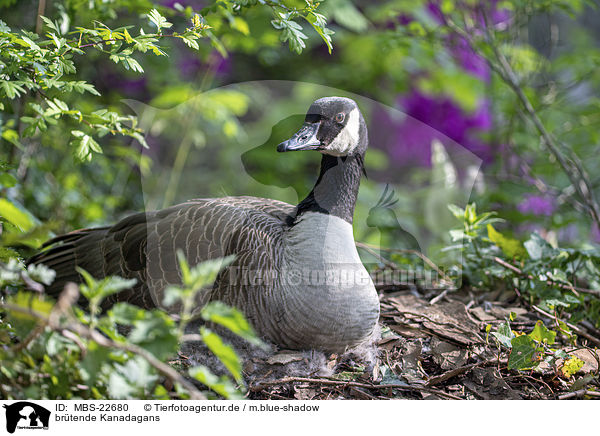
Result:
{"points": [[296, 275]]}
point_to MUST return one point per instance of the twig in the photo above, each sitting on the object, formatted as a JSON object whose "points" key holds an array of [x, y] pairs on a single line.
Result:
{"points": [[41, 11], [30, 337], [503, 68], [417, 253], [579, 394], [382, 259], [438, 297], [328, 382], [574, 289], [582, 186], [457, 371]]}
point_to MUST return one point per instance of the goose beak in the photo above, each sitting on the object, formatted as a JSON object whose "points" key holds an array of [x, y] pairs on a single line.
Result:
{"points": [[303, 139]]}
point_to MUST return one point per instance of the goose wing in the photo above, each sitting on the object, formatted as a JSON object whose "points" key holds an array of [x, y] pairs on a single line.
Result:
{"points": [[144, 246]]}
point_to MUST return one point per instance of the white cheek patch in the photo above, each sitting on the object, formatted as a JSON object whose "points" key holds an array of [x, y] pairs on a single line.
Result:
{"points": [[347, 140]]}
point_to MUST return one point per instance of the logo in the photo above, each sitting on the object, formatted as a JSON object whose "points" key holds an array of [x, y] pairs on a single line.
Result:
{"points": [[26, 415]]}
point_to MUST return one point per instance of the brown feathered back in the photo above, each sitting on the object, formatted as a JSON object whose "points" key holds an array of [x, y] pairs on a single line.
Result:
{"points": [[143, 246]]}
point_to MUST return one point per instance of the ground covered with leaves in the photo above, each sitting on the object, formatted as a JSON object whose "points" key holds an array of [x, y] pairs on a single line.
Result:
{"points": [[462, 346]]}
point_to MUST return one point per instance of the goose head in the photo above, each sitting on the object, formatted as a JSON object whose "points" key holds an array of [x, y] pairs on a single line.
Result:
{"points": [[333, 126]]}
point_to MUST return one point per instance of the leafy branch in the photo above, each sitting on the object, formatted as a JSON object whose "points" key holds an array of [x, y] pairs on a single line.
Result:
{"points": [[499, 63], [105, 356], [41, 65]]}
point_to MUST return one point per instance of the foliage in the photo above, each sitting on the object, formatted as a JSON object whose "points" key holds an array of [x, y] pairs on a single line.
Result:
{"points": [[540, 273], [530, 351], [54, 353]]}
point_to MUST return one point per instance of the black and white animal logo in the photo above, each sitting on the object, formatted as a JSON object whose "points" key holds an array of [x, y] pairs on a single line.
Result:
{"points": [[26, 415]]}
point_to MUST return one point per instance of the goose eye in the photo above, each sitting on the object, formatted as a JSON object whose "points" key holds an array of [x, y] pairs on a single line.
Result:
{"points": [[340, 117]]}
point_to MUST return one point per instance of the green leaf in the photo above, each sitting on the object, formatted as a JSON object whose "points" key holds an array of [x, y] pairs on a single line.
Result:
{"points": [[224, 352], [7, 180], [541, 334], [522, 355], [232, 319], [290, 32], [190, 41], [52, 25], [348, 16], [119, 386], [95, 356], [125, 313], [537, 247], [4, 27], [221, 385], [319, 23], [22, 322], [457, 211], [86, 145], [240, 25], [133, 64], [100, 289], [504, 334], [572, 366], [11, 213], [159, 21], [156, 332], [12, 89], [512, 248], [202, 274]]}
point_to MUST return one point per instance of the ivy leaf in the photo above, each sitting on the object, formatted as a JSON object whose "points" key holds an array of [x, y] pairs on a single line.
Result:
{"points": [[504, 334], [571, 366], [541, 334], [537, 247], [522, 355]]}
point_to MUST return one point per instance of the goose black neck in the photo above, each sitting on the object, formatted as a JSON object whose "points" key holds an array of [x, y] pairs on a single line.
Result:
{"points": [[336, 189]]}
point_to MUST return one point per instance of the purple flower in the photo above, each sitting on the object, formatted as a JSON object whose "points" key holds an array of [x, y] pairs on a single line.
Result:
{"points": [[435, 11], [469, 60], [408, 140], [536, 205], [459, 47], [190, 66]]}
